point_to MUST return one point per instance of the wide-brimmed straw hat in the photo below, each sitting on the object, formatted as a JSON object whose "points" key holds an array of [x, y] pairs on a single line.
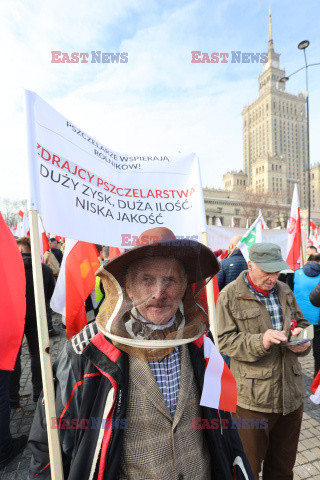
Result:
{"points": [[199, 261], [116, 313]]}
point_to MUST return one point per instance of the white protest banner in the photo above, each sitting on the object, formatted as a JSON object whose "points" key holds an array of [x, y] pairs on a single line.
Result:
{"points": [[85, 190], [219, 237]]}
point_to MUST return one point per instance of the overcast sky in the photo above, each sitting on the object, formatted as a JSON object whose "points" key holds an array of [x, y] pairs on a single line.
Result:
{"points": [[157, 102]]}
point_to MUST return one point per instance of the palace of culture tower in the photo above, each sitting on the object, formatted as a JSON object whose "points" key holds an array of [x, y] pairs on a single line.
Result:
{"points": [[274, 156], [275, 135]]}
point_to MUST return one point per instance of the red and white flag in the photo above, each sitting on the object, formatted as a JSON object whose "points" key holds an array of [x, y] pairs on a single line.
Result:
{"points": [[313, 226], [75, 282], [219, 385], [294, 252], [12, 298], [114, 252], [315, 389], [24, 224], [232, 223], [314, 237], [18, 230], [264, 226], [44, 242]]}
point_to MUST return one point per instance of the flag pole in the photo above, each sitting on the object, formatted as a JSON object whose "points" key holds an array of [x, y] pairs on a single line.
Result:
{"points": [[211, 302], [303, 245], [44, 349]]}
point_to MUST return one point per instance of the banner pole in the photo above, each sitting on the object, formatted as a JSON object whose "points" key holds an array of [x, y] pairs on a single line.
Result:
{"points": [[44, 348], [211, 302]]}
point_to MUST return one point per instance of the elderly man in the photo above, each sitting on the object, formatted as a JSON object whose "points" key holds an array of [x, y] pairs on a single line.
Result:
{"points": [[131, 392], [255, 314]]}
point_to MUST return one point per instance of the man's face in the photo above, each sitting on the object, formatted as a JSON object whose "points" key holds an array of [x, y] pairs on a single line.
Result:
{"points": [[264, 280], [311, 250], [53, 243], [156, 286]]}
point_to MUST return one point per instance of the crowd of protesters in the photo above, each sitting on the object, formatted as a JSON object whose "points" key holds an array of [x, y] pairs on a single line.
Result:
{"points": [[259, 310]]}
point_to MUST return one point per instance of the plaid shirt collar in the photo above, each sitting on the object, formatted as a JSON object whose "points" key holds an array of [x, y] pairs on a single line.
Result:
{"points": [[167, 372], [271, 302]]}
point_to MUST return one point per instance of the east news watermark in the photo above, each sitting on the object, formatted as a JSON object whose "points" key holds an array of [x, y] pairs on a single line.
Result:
{"points": [[89, 57], [197, 423], [228, 57]]}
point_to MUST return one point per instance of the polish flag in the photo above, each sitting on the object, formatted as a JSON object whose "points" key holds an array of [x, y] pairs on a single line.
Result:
{"points": [[215, 289], [219, 385], [12, 298], [313, 226], [23, 227], [44, 243], [115, 252], [59, 239], [75, 282], [264, 226], [18, 230], [315, 389], [294, 253], [314, 239]]}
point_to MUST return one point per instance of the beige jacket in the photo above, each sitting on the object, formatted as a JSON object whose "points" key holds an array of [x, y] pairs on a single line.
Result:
{"points": [[50, 260], [267, 380], [155, 446]]}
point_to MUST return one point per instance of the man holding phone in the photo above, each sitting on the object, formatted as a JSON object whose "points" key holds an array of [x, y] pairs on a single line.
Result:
{"points": [[255, 313]]}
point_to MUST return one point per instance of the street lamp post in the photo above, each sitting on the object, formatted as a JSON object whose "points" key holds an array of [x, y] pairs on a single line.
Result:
{"points": [[302, 46]]}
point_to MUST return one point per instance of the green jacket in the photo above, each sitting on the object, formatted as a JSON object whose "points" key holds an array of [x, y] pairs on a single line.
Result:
{"points": [[267, 380]]}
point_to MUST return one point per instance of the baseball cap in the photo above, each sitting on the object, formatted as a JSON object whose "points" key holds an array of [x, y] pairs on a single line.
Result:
{"points": [[268, 257]]}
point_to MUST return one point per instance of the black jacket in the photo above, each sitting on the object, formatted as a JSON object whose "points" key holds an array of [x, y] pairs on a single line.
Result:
{"points": [[231, 268], [48, 283], [91, 381]]}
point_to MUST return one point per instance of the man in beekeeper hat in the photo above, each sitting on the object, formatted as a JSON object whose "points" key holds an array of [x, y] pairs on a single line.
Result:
{"points": [[128, 387]]}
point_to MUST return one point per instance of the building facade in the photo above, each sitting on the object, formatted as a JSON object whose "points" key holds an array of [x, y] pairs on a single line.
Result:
{"points": [[315, 188], [242, 207], [275, 134], [233, 181]]}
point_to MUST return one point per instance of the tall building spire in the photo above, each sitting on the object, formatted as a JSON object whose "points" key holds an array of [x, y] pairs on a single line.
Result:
{"points": [[270, 30]]}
